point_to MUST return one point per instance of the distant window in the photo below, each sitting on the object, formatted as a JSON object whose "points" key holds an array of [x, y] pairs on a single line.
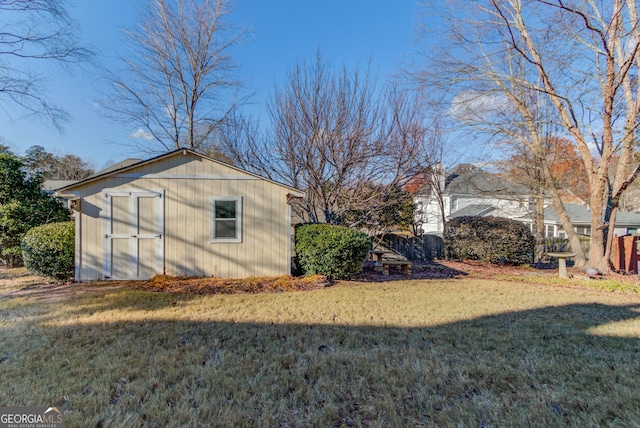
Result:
{"points": [[226, 219], [583, 230], [549, 230]]}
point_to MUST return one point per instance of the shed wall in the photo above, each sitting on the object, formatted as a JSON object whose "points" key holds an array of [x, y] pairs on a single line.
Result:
{"points": [[188, 183]]}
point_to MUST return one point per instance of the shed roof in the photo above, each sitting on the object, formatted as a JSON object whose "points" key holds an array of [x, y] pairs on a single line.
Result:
{"points": [[118, 165], [49, 186], [129, 164]]}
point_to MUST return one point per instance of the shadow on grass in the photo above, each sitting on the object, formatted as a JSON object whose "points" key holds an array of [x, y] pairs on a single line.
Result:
{"points": [[540, 367], [420, 270]]}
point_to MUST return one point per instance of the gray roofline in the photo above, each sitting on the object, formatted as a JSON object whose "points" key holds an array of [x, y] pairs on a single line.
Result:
{"points": [[166, 155]]}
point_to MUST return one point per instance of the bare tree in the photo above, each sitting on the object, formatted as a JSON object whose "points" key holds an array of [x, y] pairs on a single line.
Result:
{"points": [[583, 57], [179, 81], [339, 138], [35, 30], [38, 162], [428, 184], [531, 148]]}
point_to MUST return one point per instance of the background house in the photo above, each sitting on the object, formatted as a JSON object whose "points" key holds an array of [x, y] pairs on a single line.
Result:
{"points": [[467, 190], [180, 214], [580, 216]]}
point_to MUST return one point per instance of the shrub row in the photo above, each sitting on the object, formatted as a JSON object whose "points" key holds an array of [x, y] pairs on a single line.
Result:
{"points": [[492, 239]]}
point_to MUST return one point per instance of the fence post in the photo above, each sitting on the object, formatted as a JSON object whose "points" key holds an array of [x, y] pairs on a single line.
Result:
{"points": [[412, 254], [635, 242]]}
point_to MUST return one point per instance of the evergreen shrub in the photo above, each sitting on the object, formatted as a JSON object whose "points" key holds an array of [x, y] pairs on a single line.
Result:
{"points": [[492, 239], [333, 251], [48, 250]]}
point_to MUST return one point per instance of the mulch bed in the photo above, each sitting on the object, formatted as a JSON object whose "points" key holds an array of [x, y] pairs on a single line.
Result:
{"points": [[199, 285]]}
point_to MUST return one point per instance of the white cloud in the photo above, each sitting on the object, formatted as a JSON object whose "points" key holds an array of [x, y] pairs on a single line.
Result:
{"points": [[142, 135], [470, 106]]}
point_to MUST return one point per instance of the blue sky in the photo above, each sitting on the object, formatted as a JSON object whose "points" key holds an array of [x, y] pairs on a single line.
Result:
{"points": [[282, 32]]}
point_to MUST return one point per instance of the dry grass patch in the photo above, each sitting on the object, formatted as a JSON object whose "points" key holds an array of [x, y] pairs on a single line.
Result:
{"points": [[464, 352], [618, 283], [18, 278]]}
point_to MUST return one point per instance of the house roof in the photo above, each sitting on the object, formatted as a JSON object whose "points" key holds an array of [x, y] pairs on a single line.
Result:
{"points": [[581, 215], [467, 179], [49, 186], [473, 210], [127, 166]]}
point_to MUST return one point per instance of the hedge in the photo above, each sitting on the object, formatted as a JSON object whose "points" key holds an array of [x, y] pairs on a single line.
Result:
{"points": [[492, 239], [333, 251], [48, 250]]}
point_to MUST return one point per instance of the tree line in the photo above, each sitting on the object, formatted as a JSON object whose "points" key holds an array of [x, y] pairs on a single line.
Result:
{"points": [[536, 82], [23, 204]]}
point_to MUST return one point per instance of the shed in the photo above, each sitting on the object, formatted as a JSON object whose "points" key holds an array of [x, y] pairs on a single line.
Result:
{"points": [[180, 214]]}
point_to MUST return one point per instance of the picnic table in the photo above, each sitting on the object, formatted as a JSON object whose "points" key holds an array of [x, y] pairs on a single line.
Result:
{"points": [[383, 266], [376, 255], [562, 257]]}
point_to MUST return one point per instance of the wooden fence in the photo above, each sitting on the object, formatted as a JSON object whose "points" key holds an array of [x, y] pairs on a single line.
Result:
{"points": [[431, 247], [555, 245], [624, 254], [424, 247]]}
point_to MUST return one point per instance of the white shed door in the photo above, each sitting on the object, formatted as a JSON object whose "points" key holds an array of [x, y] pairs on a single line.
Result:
{"points": [[133, 234]]}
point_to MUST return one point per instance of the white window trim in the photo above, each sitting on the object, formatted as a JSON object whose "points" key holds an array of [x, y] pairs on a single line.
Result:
{"points": [[238, 201]]}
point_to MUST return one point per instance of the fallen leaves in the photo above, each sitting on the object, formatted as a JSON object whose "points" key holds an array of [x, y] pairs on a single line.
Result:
{"points": [[199, 285]]}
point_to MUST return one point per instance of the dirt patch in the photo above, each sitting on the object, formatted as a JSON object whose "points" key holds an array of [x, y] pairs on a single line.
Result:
{"points": [[18, 283]]}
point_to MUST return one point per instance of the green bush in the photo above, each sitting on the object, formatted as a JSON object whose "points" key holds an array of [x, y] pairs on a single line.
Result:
{"points": [[492, 239], [48, 250], [333, 251]]}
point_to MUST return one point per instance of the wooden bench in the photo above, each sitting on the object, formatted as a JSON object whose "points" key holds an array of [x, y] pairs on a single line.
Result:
{"points": [[383, 266]]}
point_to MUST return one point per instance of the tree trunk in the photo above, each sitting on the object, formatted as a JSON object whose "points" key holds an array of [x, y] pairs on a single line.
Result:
{"points": [[563, 217], [596, 248], [538, 221], [610, 238]]}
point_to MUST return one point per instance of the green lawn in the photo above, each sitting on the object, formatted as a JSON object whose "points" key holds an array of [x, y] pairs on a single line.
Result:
{"points": [[459, 352]]}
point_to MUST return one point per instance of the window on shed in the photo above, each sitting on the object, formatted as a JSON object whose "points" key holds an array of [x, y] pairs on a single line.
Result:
{"points": [[226, 219]]}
